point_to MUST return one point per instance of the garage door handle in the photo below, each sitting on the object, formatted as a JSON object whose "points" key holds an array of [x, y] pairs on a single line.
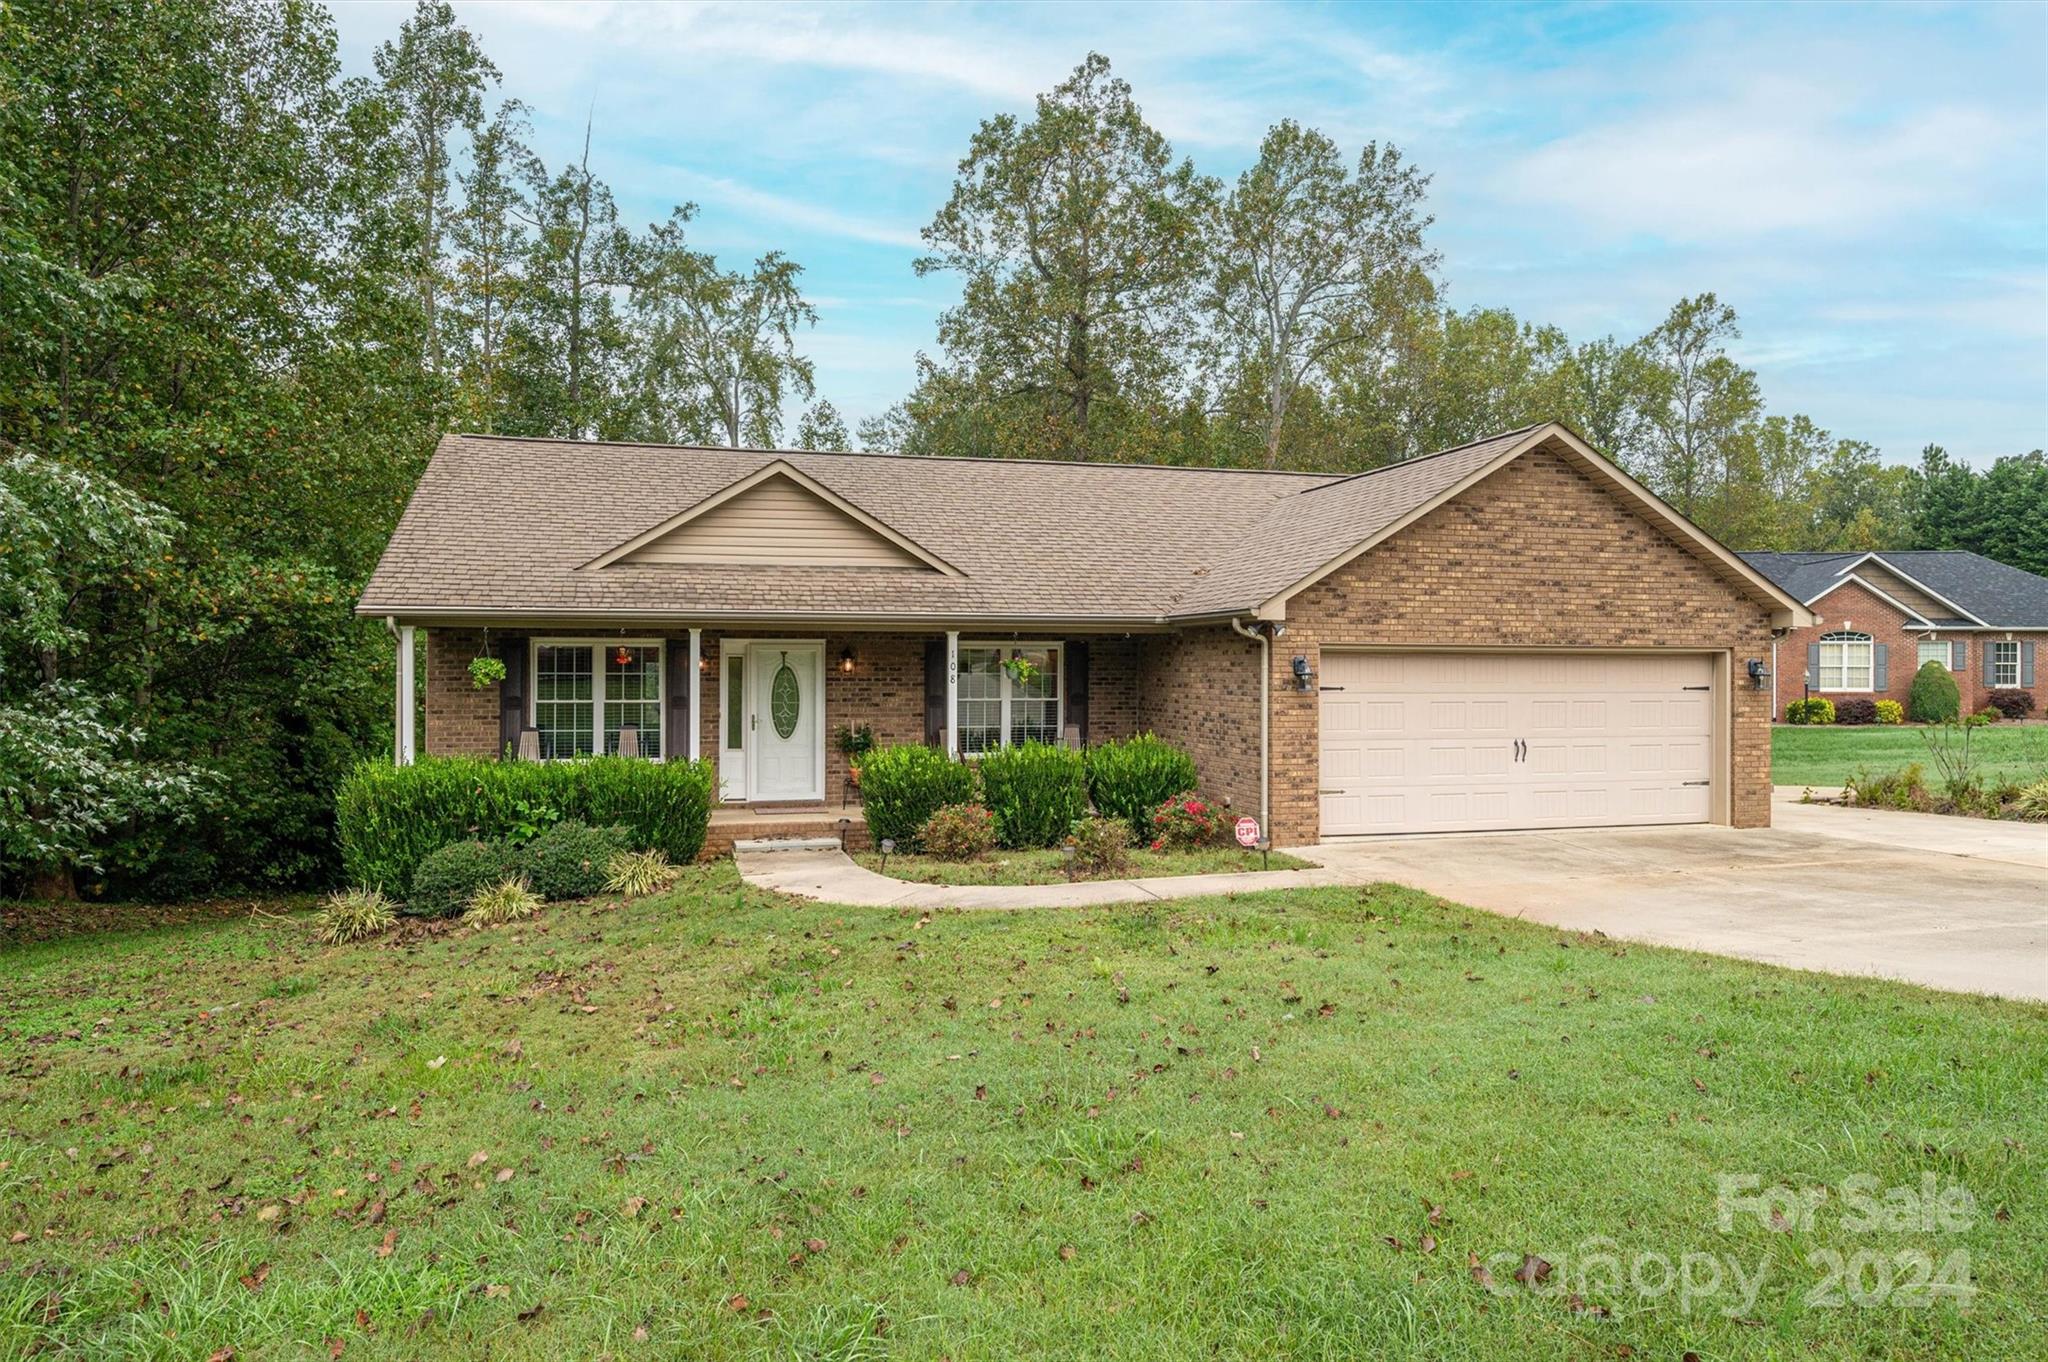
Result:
{"points": [[1699, 782]]}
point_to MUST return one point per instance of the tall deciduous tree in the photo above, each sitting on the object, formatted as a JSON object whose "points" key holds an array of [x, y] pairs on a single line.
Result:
{"points": [[1308, 262], [1703, 402], [719, 356], [434, 76], [1077, 237], [490, 243]]}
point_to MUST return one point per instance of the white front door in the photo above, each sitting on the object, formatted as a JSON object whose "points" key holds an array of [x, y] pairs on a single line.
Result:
{"points": [[1447, 742], [785, 722]]}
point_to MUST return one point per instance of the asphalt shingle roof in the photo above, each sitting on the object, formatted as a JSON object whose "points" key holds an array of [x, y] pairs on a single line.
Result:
{"points": [[2003, 597], [510, 526]]}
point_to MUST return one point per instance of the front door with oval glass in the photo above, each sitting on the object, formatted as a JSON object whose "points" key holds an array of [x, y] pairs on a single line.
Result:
{"points": [[785, 722]]}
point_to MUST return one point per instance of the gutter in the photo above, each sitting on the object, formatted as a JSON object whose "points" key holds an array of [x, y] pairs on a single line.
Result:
{"points": [[1265, 642]]}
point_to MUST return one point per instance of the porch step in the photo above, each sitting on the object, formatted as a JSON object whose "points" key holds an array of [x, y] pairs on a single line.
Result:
{"points": [[787, 844]]}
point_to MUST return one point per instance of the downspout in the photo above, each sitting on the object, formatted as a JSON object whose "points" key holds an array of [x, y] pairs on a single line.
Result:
{"points": [[1265, 643]]}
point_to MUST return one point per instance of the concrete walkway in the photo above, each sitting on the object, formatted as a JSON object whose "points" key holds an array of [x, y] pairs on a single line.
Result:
{"points": [[836, 878], [1953, 903]]}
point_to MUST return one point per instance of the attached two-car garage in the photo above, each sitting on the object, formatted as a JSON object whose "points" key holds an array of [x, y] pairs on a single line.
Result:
{"points": [[1470, 741]]}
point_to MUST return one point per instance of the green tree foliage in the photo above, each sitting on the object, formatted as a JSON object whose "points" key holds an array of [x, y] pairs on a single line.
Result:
{"points": [[1078, 241], [1309, 262], [2001, 513]]}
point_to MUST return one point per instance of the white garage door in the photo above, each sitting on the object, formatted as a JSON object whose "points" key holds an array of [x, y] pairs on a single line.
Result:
{"points": [[1449, 742]]}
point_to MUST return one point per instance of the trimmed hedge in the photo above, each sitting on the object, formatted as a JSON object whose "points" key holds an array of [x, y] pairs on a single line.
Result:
{"points": [[1934, 698], [1890, 712], [1817, 710], [390, 818], [443, 882], [1036, 791], [902, 787], [1856, 710], [570, 859], [1130, 779], [2011, 702]]}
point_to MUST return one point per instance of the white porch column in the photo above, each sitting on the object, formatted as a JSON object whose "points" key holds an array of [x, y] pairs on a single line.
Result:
{"points": [[952, 692], [696, 683], [402, 745]]}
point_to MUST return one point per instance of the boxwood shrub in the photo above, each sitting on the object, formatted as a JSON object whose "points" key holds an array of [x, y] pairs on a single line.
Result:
{"points": [[1934, 698], [1036, 791], [443, 881], [569, 860], [1131, 778], [390, 818], [901, 787], [1816, 710]]}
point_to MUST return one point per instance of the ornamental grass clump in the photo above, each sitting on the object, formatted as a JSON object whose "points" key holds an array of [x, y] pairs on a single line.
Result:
{"points": [[510, 900], [634, 873], [355, 915]]}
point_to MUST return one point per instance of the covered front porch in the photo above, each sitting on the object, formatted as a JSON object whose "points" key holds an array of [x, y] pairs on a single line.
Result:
{"points": [[781, 713]]}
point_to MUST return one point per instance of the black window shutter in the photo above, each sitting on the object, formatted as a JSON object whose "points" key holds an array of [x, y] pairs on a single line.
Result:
{"points": [[675, 739], [511, 694], [935, 692], [1076, 663]]}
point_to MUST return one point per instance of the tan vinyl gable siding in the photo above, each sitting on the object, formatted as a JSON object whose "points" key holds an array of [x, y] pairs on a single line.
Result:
{"points": [[1905, 593], [775, 523]]}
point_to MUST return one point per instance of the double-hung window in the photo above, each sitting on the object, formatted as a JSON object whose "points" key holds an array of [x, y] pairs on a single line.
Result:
{"points": [[2005, 664], [1008, 693], [584, 693], [1934, 650], [1845, 662]]}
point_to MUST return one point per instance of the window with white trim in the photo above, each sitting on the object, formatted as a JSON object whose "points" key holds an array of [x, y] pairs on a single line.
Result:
{"points": [[2005, 664], [1009, 693], [1845, 662], [586, 692], [1934, 650]]}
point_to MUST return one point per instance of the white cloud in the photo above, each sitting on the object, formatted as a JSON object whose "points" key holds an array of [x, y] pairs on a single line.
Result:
{"points": [[1774, 157], [716, 191]]}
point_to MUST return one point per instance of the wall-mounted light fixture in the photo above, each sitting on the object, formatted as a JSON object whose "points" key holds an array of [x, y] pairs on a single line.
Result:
{"points": [[1758, 673], [1304, 679], [846, 660]]}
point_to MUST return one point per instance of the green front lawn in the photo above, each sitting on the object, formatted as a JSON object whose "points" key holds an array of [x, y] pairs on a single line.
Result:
{"points": [[721, 1124], [1827, 756], [1047, 867]]}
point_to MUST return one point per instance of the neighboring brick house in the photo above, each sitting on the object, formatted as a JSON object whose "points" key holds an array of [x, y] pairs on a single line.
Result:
{"points": [[1881, 615], [1508, 634]]}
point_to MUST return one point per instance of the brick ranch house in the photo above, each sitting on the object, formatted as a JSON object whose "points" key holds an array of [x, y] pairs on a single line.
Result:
{"points": [[1882, 615], [1509, 634]]}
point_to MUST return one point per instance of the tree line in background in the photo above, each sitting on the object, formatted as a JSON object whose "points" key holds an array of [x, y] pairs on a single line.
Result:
{"points": [[241, 296]]}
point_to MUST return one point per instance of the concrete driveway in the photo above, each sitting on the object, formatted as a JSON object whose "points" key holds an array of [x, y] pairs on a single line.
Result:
{"points": [[1954, 903]]}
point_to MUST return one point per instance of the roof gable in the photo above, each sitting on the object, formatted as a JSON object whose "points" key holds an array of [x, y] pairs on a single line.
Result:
{"points": [[1973, 591], [1383, 510], [775, 517]]}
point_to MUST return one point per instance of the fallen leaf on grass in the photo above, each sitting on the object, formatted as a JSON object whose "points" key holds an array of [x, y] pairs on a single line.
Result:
{"points": [[334, 1347], [1533, 1271], [962, 1277], [480, 1158], [1479, 1272], [1067, 1253], [504, 1175], [532, 1312], [376, 1212], [221, 1355], [390, 1243], [634, 1205], [437, 1061], [269, 1213], [736, 1302], [256, 1276], [1429, 1243], [814, 1246]]}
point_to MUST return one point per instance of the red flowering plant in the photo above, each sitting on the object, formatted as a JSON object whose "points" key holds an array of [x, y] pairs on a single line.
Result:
{"points": [[1183, 822]]}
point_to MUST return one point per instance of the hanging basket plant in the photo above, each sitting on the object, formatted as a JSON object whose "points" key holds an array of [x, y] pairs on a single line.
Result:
{"points": [[486, 671], [1023, 671]]}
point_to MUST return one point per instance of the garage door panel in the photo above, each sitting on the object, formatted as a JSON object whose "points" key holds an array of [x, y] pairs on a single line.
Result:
{"points": [[1420, 742]]}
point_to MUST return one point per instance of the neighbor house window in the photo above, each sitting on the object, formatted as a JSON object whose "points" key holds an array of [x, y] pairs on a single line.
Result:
{"points": [[1009, 693], [1845, 662], [1934, 650], [585, 693], [2005, 664]]}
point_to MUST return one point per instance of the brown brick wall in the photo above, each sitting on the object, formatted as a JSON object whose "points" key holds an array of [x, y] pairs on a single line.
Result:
{"points": [[1113, 688], [1852, 608], [462, 721], [1199, 690], [1538, 555]]}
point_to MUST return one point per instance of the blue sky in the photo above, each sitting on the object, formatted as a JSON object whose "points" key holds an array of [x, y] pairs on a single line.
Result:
{"points": [[1867, 186]]}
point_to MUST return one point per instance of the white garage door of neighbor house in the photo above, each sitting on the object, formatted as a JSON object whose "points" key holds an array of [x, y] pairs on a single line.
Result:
{"points": [[1455, 742]]}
